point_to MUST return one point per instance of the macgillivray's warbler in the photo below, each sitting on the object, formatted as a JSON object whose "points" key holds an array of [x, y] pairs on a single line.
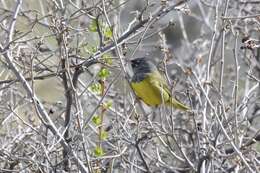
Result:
{"points": [[150, 86]]}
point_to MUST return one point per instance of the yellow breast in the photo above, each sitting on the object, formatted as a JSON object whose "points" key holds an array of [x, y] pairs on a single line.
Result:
{"points": [[149, 92]]}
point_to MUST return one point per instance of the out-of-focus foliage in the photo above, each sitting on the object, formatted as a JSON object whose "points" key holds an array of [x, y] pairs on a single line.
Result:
{"points": [[75, 58]]}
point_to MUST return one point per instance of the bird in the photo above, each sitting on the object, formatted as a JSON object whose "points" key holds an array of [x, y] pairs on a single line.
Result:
{"points": [[150, 86]]}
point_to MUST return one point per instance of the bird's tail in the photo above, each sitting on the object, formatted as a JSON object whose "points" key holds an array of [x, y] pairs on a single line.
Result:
{"points": [[177, 104]]}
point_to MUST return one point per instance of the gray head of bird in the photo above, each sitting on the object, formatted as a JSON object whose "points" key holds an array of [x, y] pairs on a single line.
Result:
{"points": [[142, 65]]}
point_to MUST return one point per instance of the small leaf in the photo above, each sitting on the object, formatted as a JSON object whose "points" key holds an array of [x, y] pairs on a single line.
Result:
{"points": [[108, 104], [93, 26], [96, 87], [98, 151], [97, 120], [107, 58], [90, 49], [103, 135], [103, 73], [108, 32]]}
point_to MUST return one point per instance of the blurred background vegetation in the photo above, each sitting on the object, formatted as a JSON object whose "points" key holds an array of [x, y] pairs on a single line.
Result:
{"points": [[75, 55]]}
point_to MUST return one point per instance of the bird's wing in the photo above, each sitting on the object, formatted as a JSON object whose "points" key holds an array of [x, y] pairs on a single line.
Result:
{"points": [[159, 82], [160, 79]]}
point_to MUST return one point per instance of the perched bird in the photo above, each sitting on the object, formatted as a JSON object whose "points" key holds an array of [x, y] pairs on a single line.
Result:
{"points": [[150, 86]]}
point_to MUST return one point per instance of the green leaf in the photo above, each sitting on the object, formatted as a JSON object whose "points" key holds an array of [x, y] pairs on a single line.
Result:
{"points": [[93, 26], [97, 120], [99, 151], [108, 33], [107, 58], [103, 73], [108, 104], [96, 87], [103, 135], [90, 49]]}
